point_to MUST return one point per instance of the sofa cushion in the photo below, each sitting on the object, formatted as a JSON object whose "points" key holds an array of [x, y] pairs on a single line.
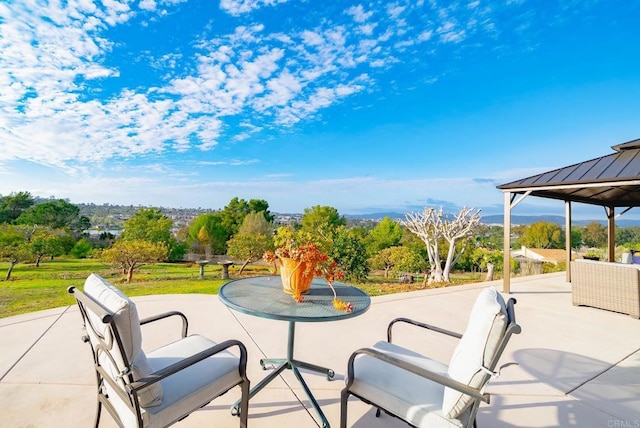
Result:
{"points": [[128, 325], [486, 326]]}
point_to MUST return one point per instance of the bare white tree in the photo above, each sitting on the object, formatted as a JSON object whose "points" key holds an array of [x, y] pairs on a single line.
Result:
{"points": [[432, 226]]}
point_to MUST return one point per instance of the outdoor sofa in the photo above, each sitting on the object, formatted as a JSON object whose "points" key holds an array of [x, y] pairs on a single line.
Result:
{"points": [[606, 285]]}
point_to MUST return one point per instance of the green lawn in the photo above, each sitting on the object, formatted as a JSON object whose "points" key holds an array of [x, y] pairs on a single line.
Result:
{"points": [[33, 289]]}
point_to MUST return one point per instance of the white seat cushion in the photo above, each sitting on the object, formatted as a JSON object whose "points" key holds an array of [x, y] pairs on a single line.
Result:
{"points": [[487, 324], [128, 326], [411, 397], [194, 386]]}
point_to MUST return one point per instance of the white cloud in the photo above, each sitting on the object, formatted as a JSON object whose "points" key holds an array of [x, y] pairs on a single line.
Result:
{"points": [[394, 10], [358, 13], [367, 29], [449, 33], [148, 4], [232, 162], [425, 35], [281, 90], [53, 69], [238, 7]]}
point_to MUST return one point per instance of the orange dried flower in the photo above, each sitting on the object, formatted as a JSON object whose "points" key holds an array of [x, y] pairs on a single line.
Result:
{"points": [[299, 247], [341, 305]]}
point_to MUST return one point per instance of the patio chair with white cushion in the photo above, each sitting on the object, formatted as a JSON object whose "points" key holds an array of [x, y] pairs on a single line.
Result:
{"points": [[427, 393], [161, 387]]}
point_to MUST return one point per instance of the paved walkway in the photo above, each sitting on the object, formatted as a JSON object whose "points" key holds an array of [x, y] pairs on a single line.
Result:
{"points": [[576, 366]]}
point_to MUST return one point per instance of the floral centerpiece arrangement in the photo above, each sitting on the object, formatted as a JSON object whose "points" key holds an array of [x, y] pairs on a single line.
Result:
{"points": [[300, 261]]}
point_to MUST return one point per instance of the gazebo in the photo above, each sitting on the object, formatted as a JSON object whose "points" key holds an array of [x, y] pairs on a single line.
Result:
{"points": [[611, 181]]}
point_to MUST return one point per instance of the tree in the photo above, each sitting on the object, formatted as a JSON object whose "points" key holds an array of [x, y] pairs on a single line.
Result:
{"points": [[261, 206], [407, 259], [249, 247], [47, 242], [350, 254], [433, 226], [58, 214], [255, 222], [149, 224], [205, 241], [628, 236], [595, 235], [322, 222], [384, 260], [542, 234], [624, 235], [81, 249], [216, 236], [232, 215], [131, 254], [13, 246], [576, 237], [385, 234], [398, 259], [490, 236], [253, 239], [483, 257], [13, 205]]}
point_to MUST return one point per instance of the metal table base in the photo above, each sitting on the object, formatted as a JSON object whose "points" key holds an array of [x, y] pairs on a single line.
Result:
{"points": [[262, 296], [294, 365]]}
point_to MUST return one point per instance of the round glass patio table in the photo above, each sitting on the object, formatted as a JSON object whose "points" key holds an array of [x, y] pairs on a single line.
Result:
{"points": [[262, 296]]}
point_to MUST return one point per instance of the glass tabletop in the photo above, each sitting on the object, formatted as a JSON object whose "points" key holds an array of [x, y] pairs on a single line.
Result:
{"points": [[263, 296]]}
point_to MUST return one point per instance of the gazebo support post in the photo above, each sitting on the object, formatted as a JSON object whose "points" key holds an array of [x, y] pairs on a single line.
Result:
{"points": [[567, 237], [506, 269], [611, 217]]}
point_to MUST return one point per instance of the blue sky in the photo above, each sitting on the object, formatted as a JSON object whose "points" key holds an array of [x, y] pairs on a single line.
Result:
{"points": [[364, 106]]}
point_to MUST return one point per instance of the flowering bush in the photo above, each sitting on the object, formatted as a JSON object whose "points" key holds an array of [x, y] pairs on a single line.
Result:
{"points": [[301, 248]]}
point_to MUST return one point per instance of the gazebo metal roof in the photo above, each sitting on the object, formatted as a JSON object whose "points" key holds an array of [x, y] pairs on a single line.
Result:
{"points": [[612, 180]]}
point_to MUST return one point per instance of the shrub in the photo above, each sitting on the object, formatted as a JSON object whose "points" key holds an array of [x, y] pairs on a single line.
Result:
{"points": [[81, 249]]}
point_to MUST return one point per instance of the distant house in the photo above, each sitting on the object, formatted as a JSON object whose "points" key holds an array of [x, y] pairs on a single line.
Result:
{"points": [[540, 254], [532, 259]]}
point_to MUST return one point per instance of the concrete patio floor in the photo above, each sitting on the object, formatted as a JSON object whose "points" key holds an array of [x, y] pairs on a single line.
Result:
{"points": [[574, 366]]}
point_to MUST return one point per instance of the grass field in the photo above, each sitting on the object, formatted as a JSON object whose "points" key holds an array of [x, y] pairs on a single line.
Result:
{"points": [[33, 289]]}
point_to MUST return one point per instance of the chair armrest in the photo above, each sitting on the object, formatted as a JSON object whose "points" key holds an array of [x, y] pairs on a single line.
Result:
{"points": [[189, 361], [422, 325], [185, 323], [417, 370]]}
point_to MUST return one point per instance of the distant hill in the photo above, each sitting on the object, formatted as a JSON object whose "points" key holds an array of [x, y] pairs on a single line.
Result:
{"points": [[489, 219], [376, 216], [528, 219], [499, 219], [524, 219], [182, 216]]}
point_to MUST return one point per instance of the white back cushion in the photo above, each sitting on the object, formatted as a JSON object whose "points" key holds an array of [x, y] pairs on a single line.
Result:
{"points": [[128, 325], [486, 326]]}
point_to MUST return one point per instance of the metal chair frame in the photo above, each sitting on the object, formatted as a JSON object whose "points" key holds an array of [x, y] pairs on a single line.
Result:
{"points": [[129, 395], [478, 394]]}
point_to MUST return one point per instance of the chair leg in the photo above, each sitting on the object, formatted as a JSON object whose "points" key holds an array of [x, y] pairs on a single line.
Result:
{"points": [[377, 412], [98, 412], [244, 404], [344, 397]]}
